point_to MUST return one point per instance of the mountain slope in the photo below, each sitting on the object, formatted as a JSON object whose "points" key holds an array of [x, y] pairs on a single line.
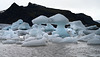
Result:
{"points": [[15, 12]]}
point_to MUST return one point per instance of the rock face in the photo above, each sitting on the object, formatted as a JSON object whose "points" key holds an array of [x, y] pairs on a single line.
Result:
{"points": [[28, 13]]}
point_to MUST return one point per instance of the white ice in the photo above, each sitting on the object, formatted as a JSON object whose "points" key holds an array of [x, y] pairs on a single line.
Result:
{"points": [[24, 26]]}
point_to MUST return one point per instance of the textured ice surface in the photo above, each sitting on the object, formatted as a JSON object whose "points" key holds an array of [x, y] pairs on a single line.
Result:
{"points": [[6, 28], [98, 32], [36, 42], [69, 40], [77, 25], [9, 42], [40, 20], [87, 37], [49, 27], [94, 27], [24, 26], [16, 24], [71, 32], [95, 40], [60, 20]]}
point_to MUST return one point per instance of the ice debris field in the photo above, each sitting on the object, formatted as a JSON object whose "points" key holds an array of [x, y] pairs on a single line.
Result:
{"points": [[22, 33]]}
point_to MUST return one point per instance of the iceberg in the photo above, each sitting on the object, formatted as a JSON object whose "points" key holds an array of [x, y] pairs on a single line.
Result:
{"points": [[95, 40], [87, 37], [35, 42], [16, 24], [77, 25], [40, 20], [94, 27], [9, 42], [49, 27], [60, 20], [69, 40], [24, 26], [6, 28], [97, 32]]}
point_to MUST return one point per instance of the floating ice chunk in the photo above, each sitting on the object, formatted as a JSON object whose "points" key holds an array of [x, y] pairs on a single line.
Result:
{"points": [[71, 32], [86, 32], [94, 27], [9, 42], [60, 20], [26, 36], [19, 42], [40, 20], [80, 33], [39, 42], [16, 39], [8, 34], [97, 32], [87, 37], [49, 27], [33, 32], [53, 36], [95, 40], [35, 26], [29, 39], [22, 32], [16, 24], [77, 25], [6, 28], [69, 40], [56, 40], [24, 26]]}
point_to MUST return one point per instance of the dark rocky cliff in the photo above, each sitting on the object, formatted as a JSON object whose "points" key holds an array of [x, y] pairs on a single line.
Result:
{"points": [[15, 12]]}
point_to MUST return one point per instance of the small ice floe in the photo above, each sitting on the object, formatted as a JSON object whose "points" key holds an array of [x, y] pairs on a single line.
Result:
{"points": [[19, 42], [35, 41], [56, 40], [95, 40], [94, 27], [29, 39], [6, 28], [49, 27], [53, 36], [86, 32], [9, 41], [22, 32], [71, 32], [69, 40], [97, 32], [77, 25], [87, 37], [60, 20], [24, 26], [39, 42], [16, 24]]}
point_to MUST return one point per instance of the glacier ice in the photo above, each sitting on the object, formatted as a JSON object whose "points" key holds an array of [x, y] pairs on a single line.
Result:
{"points": [[87, 37], [9, 42], [40, 20], [97, 32], [71, 32], [16, 24], [35, 42], [60, 20], [69, 40], [95, 40], [24, 26], [49, 27], [77, 25], [94, 27], [6, 28]]}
